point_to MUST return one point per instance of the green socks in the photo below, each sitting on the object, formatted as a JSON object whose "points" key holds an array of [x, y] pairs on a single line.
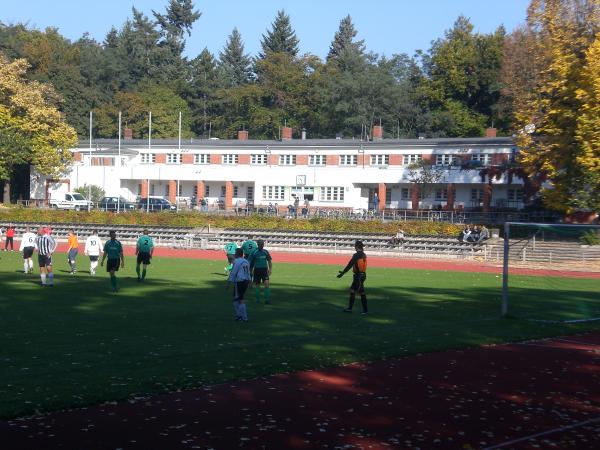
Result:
{"points": [[144, 274], [267, 294], [137, 270], [113, 282], [257, 294]]}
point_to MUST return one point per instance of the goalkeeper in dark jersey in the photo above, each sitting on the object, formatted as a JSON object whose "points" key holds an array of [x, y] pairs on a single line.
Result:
{"points": [[358, 264], [261, 267]]}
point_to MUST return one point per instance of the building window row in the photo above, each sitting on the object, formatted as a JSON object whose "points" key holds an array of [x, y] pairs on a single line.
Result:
{"points": [[332, 194]]}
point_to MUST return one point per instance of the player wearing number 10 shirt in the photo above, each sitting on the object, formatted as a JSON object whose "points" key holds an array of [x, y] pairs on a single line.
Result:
{"points": [[93, 248], [143, 249]]}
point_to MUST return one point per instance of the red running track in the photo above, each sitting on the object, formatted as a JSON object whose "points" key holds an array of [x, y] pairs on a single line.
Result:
{"points": [[374, 261], [541, 394]]}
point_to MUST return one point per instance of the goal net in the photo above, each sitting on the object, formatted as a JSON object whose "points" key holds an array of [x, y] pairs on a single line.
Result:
{"points": [[551, 272]]}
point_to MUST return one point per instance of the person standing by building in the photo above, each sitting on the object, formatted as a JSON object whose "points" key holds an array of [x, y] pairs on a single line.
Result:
{"points": [[113, 251], [240, 278], [375, 202], [93, 247], [10, 237], [358, 264], [230, 249], [261, 267], [144, 249], [45, 245], [296, 206], [27, 246], [72, 251]]}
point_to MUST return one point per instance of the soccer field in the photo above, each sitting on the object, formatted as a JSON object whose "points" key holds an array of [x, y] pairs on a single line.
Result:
{"points": [[78, 343]]}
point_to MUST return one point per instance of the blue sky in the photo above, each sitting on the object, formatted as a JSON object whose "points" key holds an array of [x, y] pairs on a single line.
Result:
{"points": [[387, 26]]}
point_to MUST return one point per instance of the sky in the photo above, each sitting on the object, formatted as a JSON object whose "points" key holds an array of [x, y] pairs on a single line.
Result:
{"points": [[387, 26]]}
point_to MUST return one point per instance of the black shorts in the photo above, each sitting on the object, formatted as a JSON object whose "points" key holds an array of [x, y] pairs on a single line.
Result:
{"points": [[44, 260], [144, 258], [230, 258], [240, 290], [27, 252], [261, 275], [113, 264], [94, 258], [358, 282]]}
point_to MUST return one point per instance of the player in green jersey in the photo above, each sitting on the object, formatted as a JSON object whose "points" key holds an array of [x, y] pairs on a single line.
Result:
{"points": [[144, 250], [248, 247], [113, 251], [260, 267], [230, 249]]}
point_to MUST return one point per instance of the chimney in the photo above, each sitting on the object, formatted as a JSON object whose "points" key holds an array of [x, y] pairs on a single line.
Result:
{"points": [[127, 133], [490, 132], [242, 135], [303, 134], [286, 134], [377, 133]]}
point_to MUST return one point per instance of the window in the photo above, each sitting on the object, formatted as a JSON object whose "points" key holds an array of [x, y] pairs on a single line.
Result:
{"points": [[316, 160], [173, 158], [272, 192], [230, 159], [195, 190], [250, 193], [206, 190], [388, 197], [380, 160], [258, 159], [151, 189], [446, 160], [515, 195], [235, 191], [332, 194], [476, 195], [201, 159], [405, 194], [441, 194], [348, 160], [223, 191], [484, 158], [139, 189], [409, 159], [180, 190], [148, 158], [287, 160]]}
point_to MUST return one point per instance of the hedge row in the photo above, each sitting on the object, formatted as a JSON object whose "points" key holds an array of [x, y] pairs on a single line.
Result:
{"points": [[254, 222]]}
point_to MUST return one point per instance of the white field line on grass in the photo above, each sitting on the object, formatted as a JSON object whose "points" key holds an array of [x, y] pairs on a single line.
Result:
{"points": [[543, 433]]}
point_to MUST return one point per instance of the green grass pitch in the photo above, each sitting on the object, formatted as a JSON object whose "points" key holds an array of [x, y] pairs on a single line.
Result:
{"points": [[78, 343]]}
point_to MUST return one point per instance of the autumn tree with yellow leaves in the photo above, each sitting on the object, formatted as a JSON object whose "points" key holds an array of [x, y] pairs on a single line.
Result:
{"points": [[552, 82], [32, 129]]}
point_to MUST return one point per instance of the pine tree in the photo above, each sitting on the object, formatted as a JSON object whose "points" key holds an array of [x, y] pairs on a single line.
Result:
{"points": [[178, 20], [204, 85], [343, 40], [235, 66], [281, 38]]}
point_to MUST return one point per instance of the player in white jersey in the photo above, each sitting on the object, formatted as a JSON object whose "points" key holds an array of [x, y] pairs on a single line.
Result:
{"points": [[27, 247], [93, 248], [240, 278]]}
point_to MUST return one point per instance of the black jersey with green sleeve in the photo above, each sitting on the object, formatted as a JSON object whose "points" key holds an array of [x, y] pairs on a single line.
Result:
{"points": [[260, 259]]}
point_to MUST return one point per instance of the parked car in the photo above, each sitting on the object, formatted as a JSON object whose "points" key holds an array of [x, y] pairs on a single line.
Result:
{"points": [[116, 204], [155, 204], [69, 200]]}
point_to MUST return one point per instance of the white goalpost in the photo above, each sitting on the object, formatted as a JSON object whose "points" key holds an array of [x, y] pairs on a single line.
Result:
{"points": [[551, 272]]}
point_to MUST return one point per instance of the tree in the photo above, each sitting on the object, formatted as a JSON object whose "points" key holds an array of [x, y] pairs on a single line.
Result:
{"points": [[556, 120], [343, 40], [178, 20], [97, 193], [425, 176], [203, 87], [234, 64], [281, 38], [32, 129]]}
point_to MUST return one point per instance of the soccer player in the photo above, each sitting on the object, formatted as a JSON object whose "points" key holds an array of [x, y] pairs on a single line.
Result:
{"points": [[27, 247], [46, 245], [230, 249], [72, 251], [144, 250], [93, 247], [240, 277], [248, 247], [358, 264], [113, 250], [260, 267]]}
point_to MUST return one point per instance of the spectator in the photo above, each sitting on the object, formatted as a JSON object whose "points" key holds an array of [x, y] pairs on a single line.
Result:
{"points": [[375, 202], [296, 206], [466, 234], [398, 238], [484, 234], [306, 209]]}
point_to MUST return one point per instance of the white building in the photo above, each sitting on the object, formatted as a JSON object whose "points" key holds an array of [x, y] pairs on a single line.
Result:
{"points": [[337, 173]]}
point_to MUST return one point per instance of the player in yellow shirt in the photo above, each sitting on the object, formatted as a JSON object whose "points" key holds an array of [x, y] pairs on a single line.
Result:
{"points": [[72, 250]]}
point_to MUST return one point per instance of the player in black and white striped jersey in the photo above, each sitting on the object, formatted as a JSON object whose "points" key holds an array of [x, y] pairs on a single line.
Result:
{"points": [[45, 245]]}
